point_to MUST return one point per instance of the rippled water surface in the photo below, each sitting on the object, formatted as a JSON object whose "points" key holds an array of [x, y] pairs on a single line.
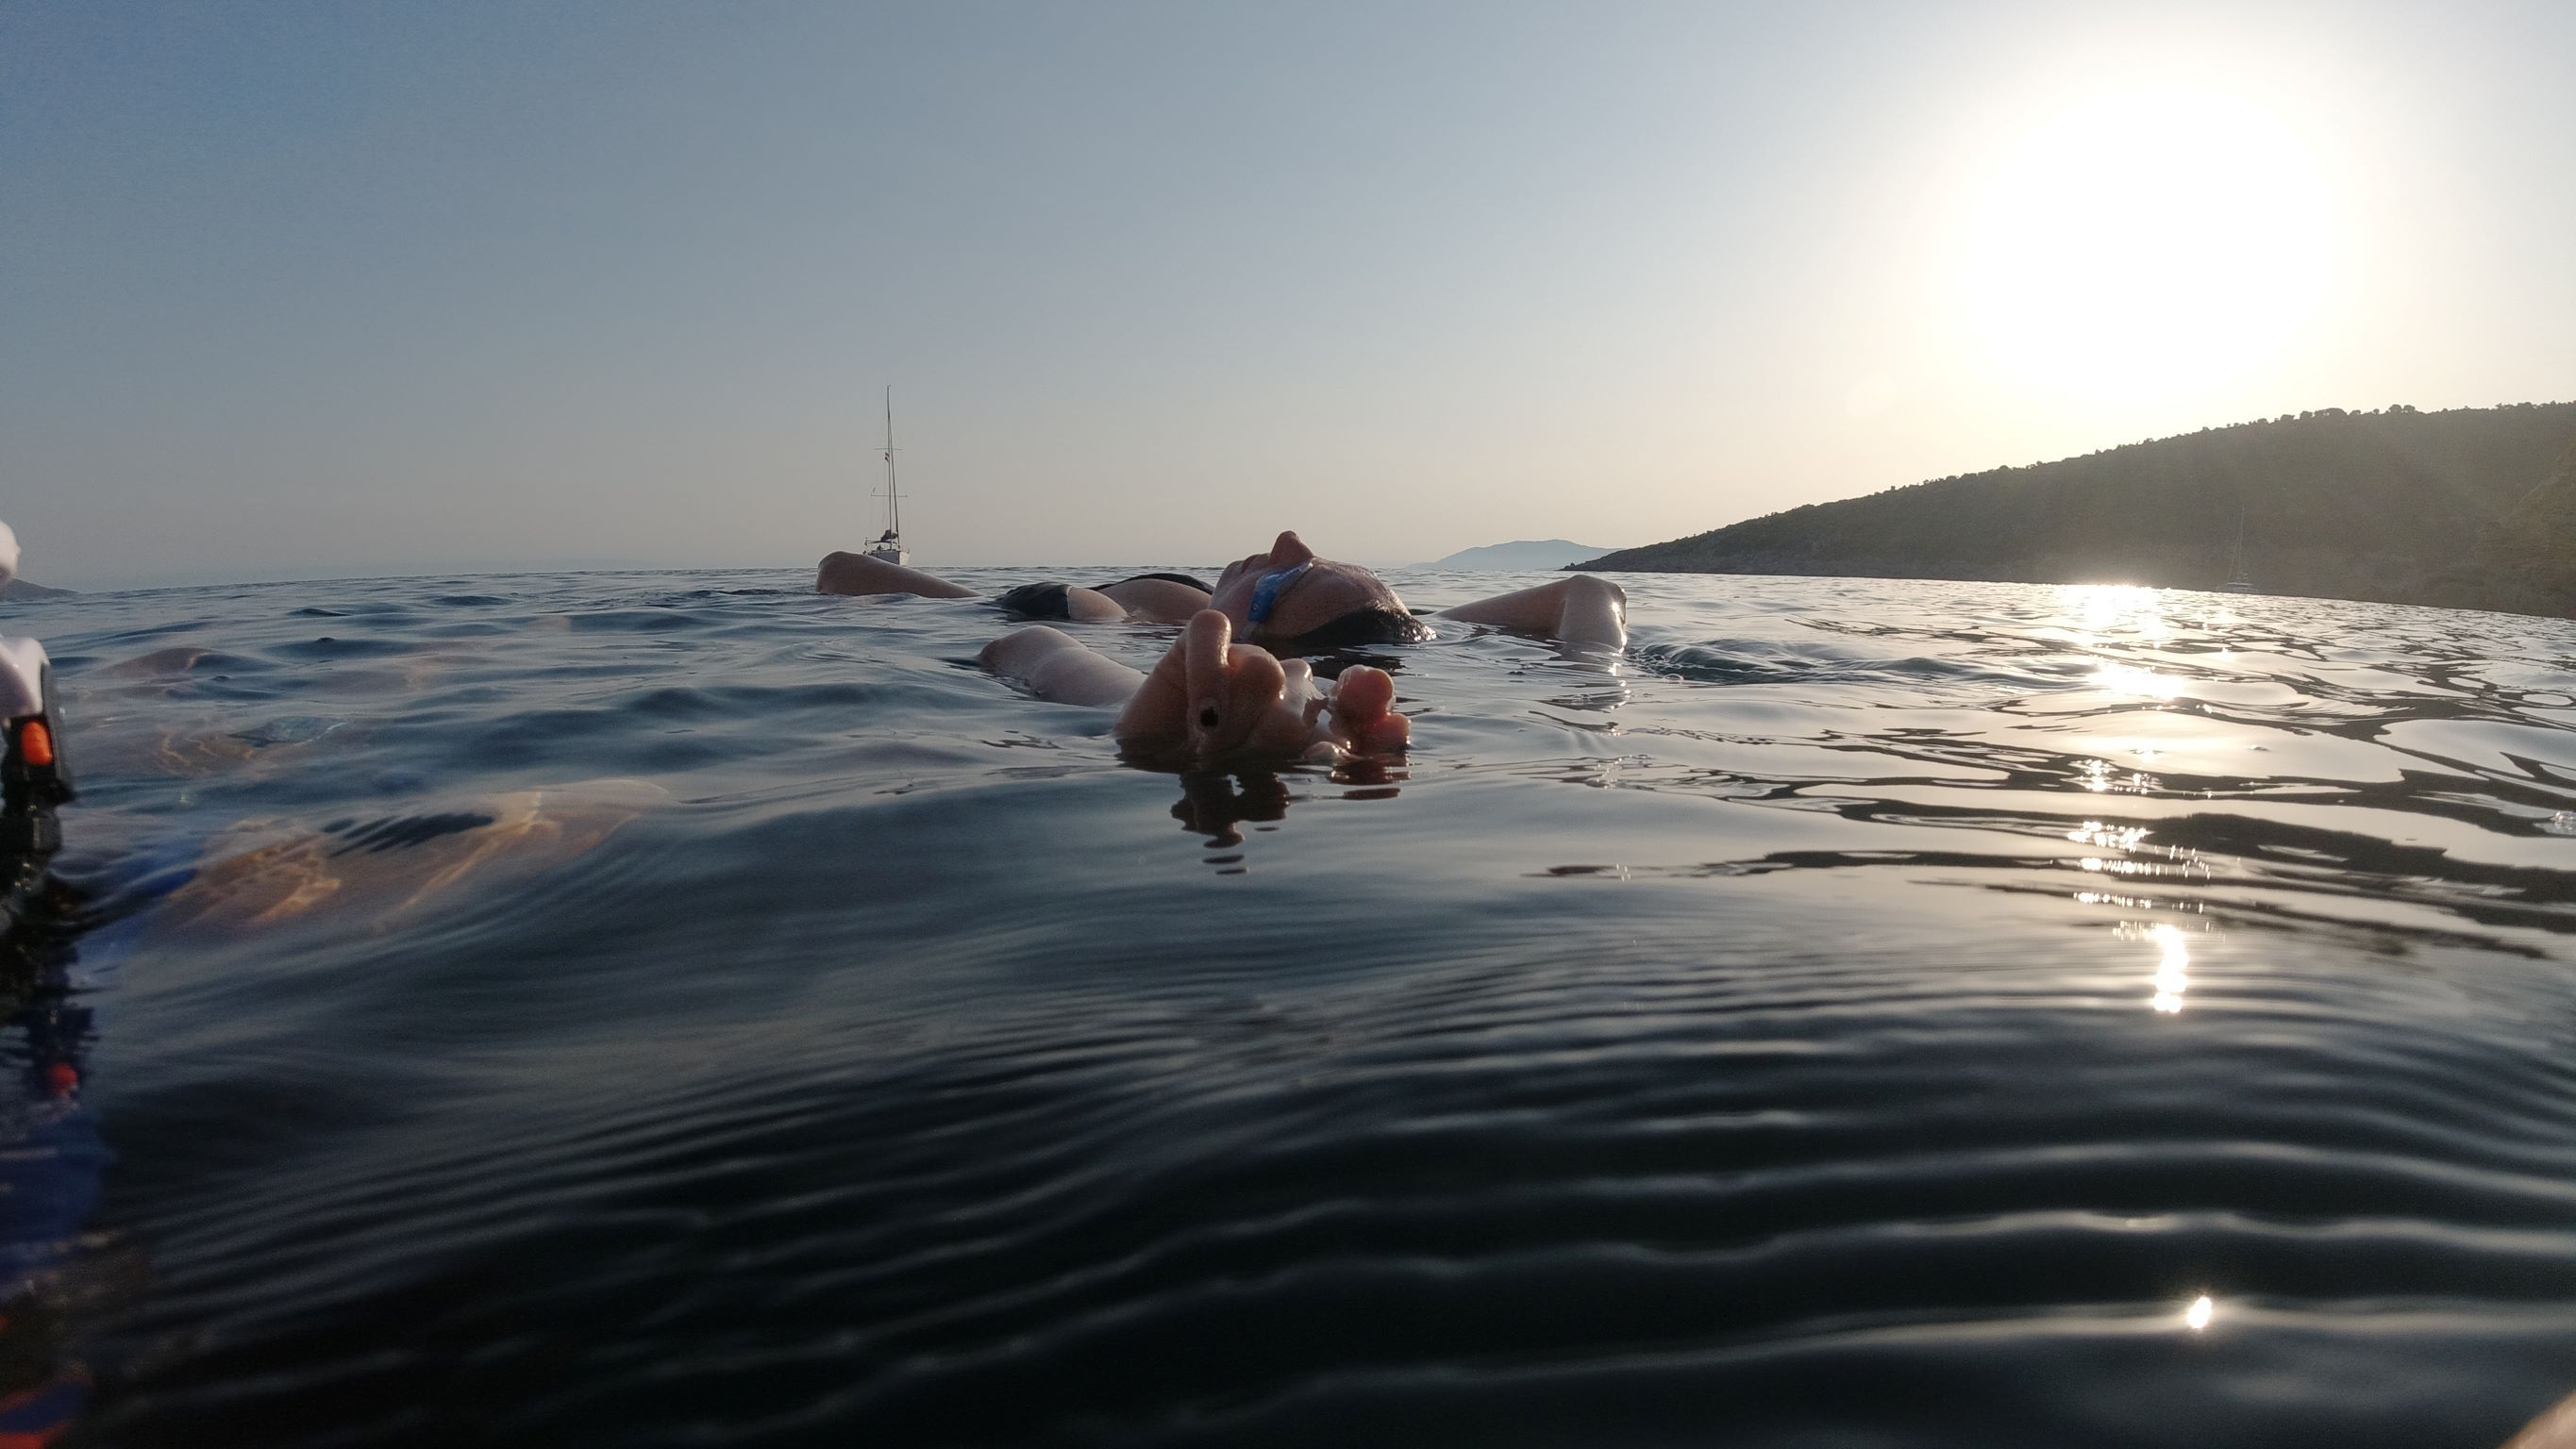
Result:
{"points": [[677, 1009]]}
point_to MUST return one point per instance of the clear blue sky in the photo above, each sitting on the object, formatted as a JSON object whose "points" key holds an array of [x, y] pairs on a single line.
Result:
{"points": [[302, 289]]}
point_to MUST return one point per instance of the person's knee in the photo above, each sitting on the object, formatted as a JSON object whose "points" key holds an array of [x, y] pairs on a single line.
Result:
{"points": [[1594, 611], [1585, 586], [840, 573]]}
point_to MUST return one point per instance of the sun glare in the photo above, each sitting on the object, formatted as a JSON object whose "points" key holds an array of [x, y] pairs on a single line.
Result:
{"points": [[2146, 240]]}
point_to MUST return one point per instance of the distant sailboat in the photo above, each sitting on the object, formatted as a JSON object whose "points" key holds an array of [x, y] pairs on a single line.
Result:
{"points": [[889, 545], [2237, 583]]}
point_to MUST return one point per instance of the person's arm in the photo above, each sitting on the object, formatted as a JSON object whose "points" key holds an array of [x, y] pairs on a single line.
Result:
{"points": [[858, 574], [1057, 667], [1578, 610]]}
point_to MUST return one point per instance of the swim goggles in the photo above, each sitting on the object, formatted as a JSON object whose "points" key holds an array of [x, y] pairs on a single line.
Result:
{"points": [[1267, 589]]}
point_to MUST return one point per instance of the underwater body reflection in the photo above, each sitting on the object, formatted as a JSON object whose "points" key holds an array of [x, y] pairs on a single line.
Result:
{"points": [[60, 1274], [672, 1008]]}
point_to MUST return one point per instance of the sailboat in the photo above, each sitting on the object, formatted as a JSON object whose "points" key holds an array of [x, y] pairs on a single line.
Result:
{"points": [[2236, 583], [889, 545]]}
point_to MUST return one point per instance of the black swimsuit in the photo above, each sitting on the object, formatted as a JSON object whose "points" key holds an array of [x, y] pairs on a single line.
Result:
{"points": [[1049, 601]]}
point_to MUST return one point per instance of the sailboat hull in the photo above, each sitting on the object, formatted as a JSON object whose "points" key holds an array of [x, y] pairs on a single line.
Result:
{"points": [[889, 545]]}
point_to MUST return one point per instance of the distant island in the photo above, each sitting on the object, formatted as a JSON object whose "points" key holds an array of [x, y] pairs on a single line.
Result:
{"points": [[2469, 508], [21, 589], [1527, 553]]}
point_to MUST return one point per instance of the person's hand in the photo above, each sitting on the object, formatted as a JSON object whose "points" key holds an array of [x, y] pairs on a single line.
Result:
{"points": [[1217, 699]]}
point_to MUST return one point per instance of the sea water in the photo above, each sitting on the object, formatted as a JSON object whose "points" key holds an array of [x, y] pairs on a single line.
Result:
{"points": [[645, 1009]]}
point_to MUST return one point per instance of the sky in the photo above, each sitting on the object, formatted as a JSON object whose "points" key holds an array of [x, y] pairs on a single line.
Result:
{"points": [[324, 290]]}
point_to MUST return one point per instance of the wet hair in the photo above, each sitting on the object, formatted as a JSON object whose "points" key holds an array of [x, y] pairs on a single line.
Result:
{"points": [[1375, 624]]}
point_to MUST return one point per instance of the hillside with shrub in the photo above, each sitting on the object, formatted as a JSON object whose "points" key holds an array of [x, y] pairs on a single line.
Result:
{"points": [[2468, 508]]}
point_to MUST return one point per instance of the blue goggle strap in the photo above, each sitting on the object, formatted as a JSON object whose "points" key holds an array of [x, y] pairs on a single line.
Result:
{"points": [[1267, 589]]}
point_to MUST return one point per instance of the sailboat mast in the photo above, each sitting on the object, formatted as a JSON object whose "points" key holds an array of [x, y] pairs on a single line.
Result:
{"points": [[894, 497]]}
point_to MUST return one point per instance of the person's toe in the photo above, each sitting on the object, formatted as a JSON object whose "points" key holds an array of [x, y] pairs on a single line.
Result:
{"points": [[1364, 708], [1203, 649], [1253, 684], [1363, 693]]}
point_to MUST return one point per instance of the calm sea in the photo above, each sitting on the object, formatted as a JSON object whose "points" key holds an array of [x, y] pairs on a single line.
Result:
{"points": [[663, 1009]]}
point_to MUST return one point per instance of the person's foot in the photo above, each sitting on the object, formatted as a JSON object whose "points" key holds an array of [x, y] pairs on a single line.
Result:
{"points": [[1219, 699]]}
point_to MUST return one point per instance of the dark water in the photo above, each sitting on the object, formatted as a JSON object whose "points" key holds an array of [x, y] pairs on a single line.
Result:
{"points": [[676, 1009]]}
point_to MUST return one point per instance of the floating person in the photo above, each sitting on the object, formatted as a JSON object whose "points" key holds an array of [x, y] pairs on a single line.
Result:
{"points": [[1223, 688], [1286, 600], [1144, 598], [35, 773]]}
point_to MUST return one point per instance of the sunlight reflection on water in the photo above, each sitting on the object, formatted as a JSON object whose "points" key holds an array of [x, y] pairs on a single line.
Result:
{"points": [[1724, 1033]]}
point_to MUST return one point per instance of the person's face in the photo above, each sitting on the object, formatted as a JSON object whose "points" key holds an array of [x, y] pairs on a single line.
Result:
{"points": [[1323, 593]]}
